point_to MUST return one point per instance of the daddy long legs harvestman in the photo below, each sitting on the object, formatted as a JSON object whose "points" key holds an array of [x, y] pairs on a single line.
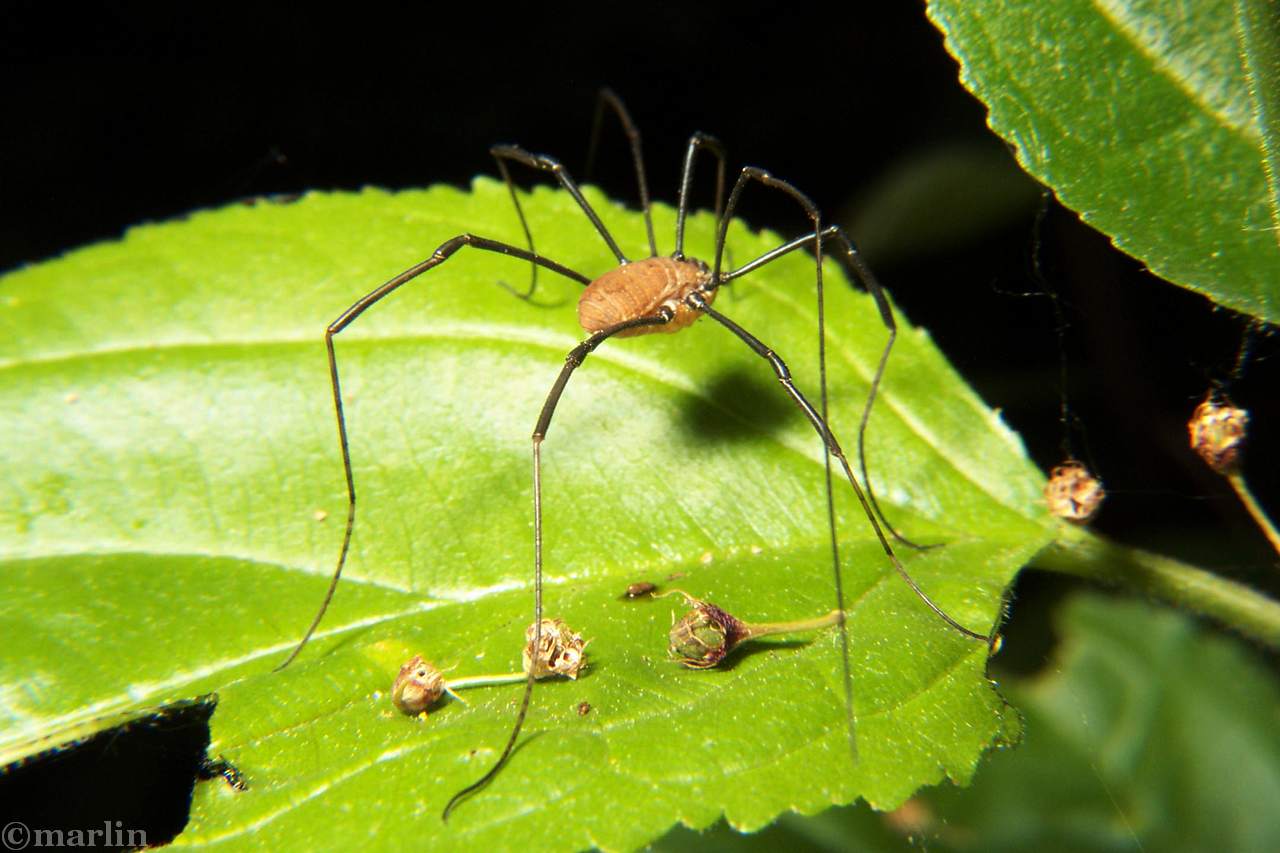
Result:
{"points": [[659, 293]]}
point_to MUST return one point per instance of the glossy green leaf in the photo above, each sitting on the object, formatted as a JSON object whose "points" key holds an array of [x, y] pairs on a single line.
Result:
{"points": [[1149, 733], [174, 499], [1140, 115]]}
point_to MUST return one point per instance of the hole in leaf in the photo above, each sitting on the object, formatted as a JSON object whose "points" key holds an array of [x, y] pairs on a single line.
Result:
{"points": [[134, 777]]}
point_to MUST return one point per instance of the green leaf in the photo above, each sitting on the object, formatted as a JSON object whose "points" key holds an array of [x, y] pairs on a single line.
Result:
{"points": [[1150, 733], [175, 504], [1140, 115], [1160, 736], [1258, 40]]}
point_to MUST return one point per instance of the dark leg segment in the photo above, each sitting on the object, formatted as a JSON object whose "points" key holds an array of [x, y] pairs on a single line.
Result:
{"points": [[541, 162], [698, 142], [811, 210], [858, 270], [609, 98], [828, 438], [571, 363], [524, 226], [446, 250]]}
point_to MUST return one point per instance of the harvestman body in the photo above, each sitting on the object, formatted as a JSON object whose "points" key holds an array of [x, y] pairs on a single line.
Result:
{"points": [[656, 294]]}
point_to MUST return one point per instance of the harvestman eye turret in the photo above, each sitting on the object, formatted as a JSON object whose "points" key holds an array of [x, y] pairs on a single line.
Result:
{"points": [[656, 294]]}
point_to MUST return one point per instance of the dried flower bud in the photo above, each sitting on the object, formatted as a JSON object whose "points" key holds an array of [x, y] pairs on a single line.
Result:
{"points": [[1217, 433], [1073, 494], [417, 687], [704, 636], [560, 651]]}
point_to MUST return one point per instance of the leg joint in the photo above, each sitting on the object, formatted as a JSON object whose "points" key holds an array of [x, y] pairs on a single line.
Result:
{"points": [[779, 366]]}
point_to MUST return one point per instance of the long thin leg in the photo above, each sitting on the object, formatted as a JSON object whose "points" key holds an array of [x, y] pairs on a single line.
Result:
{"points": [[541, 162], [698, 142], [571, 363], [609, 98], [857, 270], [524, 226], [784, 376], [447, 249], [860, 270], [747, 175], [868, 278], [811, 210]]}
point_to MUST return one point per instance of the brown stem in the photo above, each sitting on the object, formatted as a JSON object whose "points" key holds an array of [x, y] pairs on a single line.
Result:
{"points": [[1236, 479]]}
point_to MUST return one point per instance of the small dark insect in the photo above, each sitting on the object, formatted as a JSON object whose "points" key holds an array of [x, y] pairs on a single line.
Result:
{"points": [[211, 768], [584, 708], [658, 293], [636, 590]]}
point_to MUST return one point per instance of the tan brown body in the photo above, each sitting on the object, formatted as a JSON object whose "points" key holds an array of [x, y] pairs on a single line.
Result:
{"points": [[639, 289]]}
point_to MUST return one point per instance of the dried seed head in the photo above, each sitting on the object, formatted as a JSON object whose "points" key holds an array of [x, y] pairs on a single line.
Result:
{"points": [[704, 636], [1072, 493], [912, 819], [1218, 432], [417, 687], [560, 651]]}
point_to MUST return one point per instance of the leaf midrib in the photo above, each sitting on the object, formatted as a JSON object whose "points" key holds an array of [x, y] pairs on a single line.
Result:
{"points": [[558, 343]]}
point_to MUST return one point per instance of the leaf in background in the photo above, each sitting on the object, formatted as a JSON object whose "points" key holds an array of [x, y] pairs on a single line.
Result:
{"points": [[172, 505], [977, 187], [1138, 114], [1159, 736]]}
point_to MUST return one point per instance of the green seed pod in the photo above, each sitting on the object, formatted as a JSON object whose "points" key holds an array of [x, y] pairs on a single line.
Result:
{"points": [[704, 636], [417, 687], [560, 651], [707, 634]]}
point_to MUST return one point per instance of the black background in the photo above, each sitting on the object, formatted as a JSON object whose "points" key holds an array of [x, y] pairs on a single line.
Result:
{"points": [[115, 117]]}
